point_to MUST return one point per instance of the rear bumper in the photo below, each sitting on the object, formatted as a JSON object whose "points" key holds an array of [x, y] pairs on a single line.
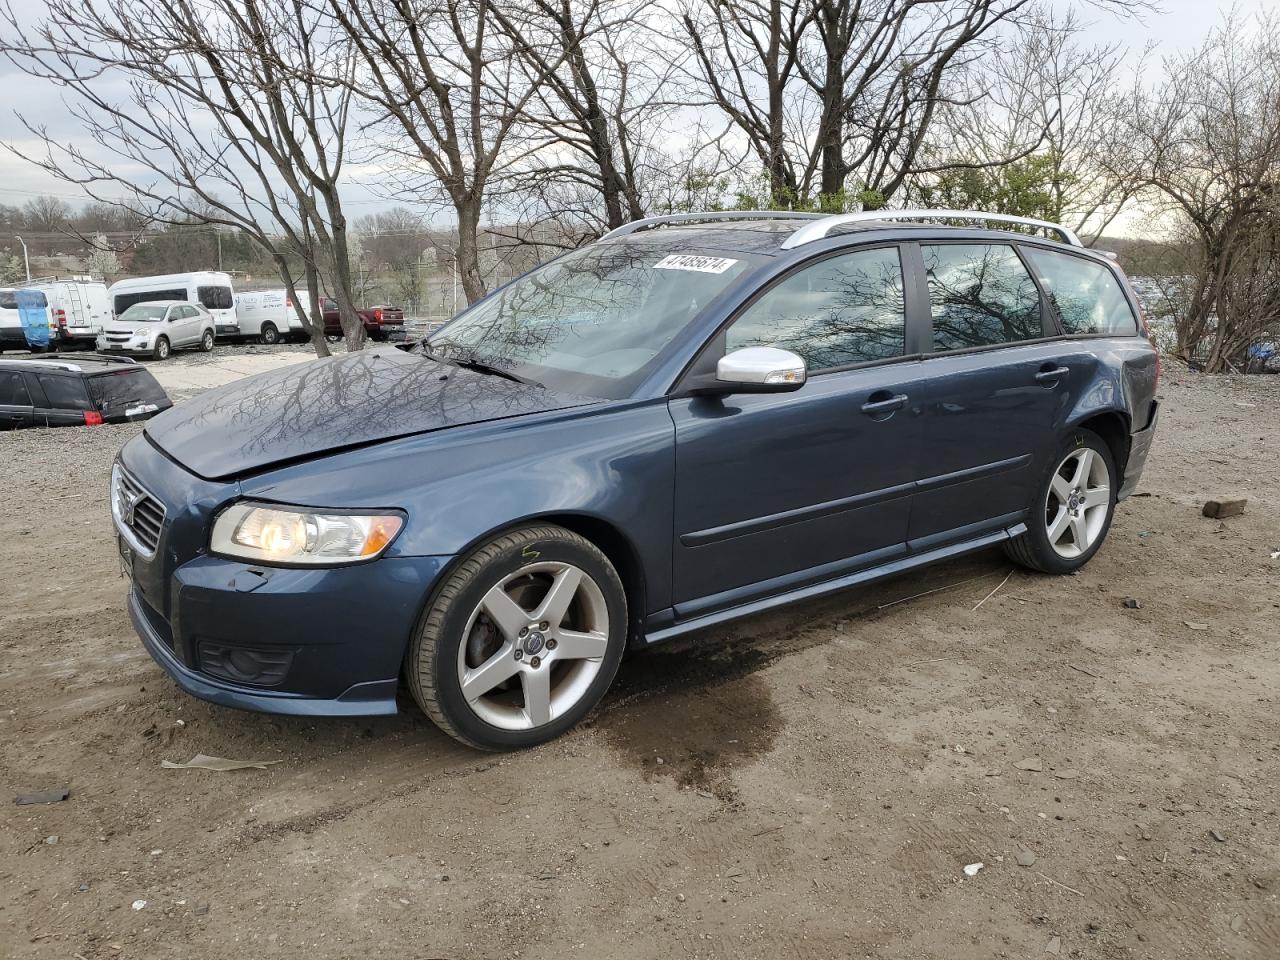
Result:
{"points": [[1139, 449]]}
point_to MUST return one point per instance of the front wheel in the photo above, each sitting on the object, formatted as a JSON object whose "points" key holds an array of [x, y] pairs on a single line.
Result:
{"points": [[161, 349], [206, 342], [523, 639], [1074, 506]]}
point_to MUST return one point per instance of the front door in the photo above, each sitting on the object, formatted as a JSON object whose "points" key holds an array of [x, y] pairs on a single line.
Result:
{"points": [[776, 490], [15, 402], [989, 394]]}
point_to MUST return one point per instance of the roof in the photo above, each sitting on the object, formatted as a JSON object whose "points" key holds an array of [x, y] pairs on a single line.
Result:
{"points": [[776, 231], [89, 363]]}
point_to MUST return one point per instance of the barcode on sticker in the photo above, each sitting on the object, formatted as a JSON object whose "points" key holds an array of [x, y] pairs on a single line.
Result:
{"points": [[688, 261]]}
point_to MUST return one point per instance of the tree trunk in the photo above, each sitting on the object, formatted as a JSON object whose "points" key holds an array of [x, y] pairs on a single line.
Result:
{"points": [[468, 252], [314, 333], [831, 124]]}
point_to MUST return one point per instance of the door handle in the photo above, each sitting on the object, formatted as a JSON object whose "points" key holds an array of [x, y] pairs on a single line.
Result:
{"points": [[885, 404], [1053, 373]]}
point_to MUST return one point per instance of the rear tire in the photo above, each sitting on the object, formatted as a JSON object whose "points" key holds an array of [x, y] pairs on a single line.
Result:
{"points": [[269, 335], [206, 342], [161, 349], [1075, 503], [483, 666]]}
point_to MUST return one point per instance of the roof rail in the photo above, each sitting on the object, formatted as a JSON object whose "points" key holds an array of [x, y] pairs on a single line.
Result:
{"points": [[53, 364], [816, 231], [710, 216]]}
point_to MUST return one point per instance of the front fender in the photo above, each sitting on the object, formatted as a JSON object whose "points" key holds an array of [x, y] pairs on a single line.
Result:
{"points": [[611, 462]]}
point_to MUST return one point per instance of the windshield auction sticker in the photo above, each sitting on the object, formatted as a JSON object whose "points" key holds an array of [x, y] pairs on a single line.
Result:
{"points": [[685, 261]]}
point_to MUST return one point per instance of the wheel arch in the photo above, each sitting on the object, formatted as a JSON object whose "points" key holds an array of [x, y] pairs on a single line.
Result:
{"points": [[605, 535], [1113, 427]]}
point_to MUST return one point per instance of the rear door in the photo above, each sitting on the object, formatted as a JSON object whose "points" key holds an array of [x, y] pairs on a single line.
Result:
{"points": [[992, 388], [184, 324], [777, 490], [15, 401]]}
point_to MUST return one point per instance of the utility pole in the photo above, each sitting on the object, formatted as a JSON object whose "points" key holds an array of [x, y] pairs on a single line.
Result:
{"points": [[25, 259], [218, 233]]}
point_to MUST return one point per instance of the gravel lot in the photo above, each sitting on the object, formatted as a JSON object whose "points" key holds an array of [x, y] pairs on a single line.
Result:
{"points": [[806, 784]]}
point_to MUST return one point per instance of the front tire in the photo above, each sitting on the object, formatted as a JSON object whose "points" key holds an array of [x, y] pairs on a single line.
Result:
{"points": [[521, 641], [206, 342], [161, 349], [1074, 505]]}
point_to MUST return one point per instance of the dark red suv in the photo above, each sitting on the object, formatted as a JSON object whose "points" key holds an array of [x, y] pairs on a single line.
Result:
{"points": [[381, 322]]}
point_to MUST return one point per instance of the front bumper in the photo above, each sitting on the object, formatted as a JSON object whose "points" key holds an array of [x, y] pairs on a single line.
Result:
{"points": [[1139, 449], [309, 641]]}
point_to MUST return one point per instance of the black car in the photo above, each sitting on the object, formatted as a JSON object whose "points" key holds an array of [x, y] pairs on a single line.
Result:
{"points": [[85, 391]]}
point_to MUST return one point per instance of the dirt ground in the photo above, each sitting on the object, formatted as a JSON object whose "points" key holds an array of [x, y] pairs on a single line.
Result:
{"points": [[811, 783]]}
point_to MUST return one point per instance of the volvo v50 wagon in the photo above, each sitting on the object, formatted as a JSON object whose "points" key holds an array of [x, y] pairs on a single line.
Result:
{"points": [[691, 420]]}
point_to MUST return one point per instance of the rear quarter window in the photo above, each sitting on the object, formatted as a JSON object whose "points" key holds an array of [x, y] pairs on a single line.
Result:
{"points": [[126, 388], [1085, 296], [65, 393]]}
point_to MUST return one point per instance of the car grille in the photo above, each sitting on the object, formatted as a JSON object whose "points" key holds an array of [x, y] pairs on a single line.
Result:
{"points": [[137, 511]]}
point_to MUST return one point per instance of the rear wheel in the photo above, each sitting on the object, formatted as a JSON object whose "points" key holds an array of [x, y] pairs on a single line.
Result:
{"points": [[161, 349], [522, 640], [206, 342], [269, 334], [1073, 509]]}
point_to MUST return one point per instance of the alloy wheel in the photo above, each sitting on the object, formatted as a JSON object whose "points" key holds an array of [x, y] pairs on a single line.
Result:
{"points": [[1077, 503], [533, 645]]}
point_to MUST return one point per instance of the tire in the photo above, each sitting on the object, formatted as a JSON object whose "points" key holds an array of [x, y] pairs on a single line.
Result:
{"points": [[1063, 515], [333, 337], [458, 633], [269, 335], [161, 349], [206, 342]]}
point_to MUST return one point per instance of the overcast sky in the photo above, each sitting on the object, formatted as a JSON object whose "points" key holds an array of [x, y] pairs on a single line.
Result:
{"points": [[1180, 26]]}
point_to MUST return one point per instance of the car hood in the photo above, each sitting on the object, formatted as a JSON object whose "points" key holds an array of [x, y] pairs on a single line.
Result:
{"points": [[323, 406]]}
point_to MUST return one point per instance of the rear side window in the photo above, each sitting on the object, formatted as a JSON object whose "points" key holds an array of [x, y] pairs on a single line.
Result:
{"points": [[123, 301], [980, 295], [13, 390], [66, 393], [215, 298], [1086, 296], [840, 311], [126, 388]]}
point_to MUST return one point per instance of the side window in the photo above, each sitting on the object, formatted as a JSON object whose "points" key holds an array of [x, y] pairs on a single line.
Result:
{"points": [[65, 393], [215, 298], [13, 391], [843, 310], [1085, 295], [980, 294]]}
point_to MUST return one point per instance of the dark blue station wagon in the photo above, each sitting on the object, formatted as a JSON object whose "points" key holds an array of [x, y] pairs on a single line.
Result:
{"points": [[695, 418]]}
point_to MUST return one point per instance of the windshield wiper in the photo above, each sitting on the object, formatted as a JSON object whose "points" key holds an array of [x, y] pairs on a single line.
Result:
{"points": [[480, 366]]}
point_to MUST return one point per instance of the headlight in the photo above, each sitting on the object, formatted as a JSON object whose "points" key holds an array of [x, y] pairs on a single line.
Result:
{"points": [[294, 536]]}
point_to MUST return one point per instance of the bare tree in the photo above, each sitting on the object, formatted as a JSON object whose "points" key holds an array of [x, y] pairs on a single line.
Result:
{"points": [[214, 118], [835, 98], [1036, 131], [452, 95], [1212, 134]]}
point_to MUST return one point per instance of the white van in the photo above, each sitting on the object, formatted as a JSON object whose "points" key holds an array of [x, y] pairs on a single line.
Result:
{"points": [[210, 290], [77, 309], [268, 315]]}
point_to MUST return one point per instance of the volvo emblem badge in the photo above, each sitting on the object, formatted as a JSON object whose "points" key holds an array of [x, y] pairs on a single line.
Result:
{"points": [[534, 642]]}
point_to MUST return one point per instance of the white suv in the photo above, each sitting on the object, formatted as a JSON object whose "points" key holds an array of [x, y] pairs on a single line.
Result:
{"points": [[158, 327]]}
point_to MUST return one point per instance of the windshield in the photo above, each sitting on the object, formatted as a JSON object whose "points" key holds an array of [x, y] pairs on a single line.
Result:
{"points": [[143, 313], [594, 321]]}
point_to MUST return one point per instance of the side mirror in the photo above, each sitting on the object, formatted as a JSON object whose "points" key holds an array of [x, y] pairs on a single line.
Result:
{"points": [[760, 370]]}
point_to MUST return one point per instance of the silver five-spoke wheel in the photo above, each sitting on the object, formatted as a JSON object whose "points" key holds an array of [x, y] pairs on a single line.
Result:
{"points": [[533, 645], [1077, 503]]}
